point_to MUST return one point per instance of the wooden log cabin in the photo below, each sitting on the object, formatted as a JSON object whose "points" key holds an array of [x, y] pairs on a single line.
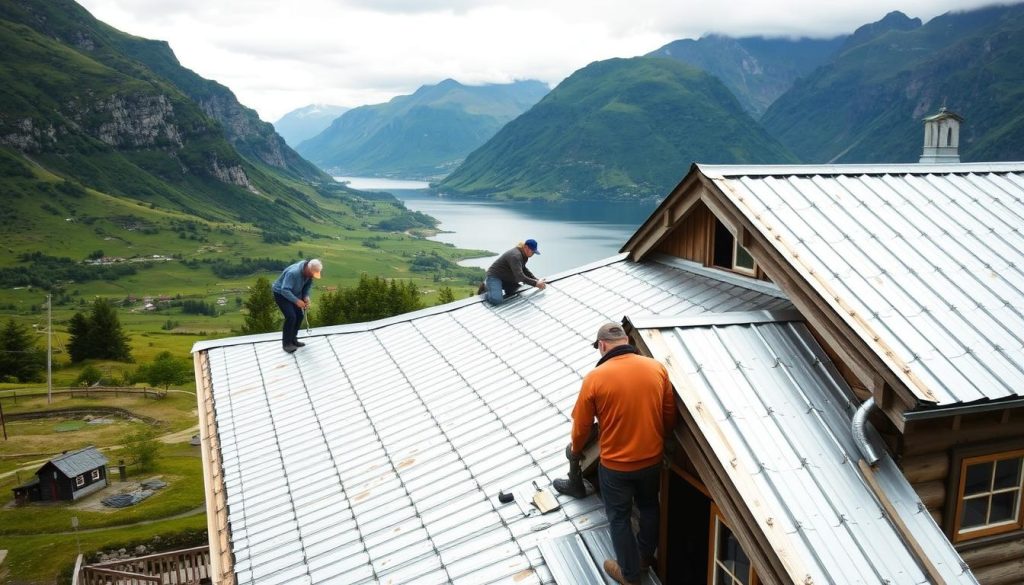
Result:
{"points": [[911, 279]]}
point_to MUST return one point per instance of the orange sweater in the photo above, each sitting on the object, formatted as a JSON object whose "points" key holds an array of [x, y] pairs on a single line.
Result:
{"points": [[635, 406]]}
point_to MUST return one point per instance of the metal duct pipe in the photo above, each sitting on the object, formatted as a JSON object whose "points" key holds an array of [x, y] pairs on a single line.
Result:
{"points": [[860, 419]]}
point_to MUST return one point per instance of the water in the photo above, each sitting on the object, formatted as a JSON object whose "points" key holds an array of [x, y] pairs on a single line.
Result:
{"points": [[568, 234]]}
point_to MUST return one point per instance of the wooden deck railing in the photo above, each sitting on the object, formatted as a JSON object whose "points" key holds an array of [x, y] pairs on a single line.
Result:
{"points": [[181, 567]]}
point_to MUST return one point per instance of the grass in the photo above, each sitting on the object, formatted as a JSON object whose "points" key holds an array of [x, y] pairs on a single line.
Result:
{"points": [[40, 558]]}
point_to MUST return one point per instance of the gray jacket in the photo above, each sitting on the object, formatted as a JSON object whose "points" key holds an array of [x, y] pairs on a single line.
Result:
{"points": [[511, 268]]}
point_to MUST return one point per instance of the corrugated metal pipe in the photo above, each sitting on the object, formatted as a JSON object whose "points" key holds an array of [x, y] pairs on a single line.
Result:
{"points": [[860, 419]]}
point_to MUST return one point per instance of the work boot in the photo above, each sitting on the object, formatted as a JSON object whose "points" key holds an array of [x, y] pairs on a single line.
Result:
{"points": [[570, 487], [299, 344], [612, 568], [290, 348]]}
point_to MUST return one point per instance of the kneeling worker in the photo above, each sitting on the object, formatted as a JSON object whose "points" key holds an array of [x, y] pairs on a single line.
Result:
{"points": [[291, 293], [633, 401], [505, 274]]}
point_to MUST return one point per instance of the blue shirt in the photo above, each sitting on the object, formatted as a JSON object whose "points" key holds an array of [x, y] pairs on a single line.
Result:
{"points": [[293, 284]]}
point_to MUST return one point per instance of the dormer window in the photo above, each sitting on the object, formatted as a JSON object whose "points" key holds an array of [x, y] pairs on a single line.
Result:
{"points": [[729, 254]]}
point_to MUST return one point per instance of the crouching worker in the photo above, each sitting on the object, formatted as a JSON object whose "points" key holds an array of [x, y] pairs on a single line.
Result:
{"points": [[291, 293], [633, 401], [505, 274]]}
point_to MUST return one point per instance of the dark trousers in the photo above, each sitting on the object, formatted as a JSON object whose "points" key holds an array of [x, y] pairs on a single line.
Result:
{"points": [[292, 320], [620, 489]]}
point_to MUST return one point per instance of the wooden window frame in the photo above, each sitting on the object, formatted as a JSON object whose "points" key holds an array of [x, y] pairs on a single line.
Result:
{"points": [[958, 478], [718, 519], [733, 267], [95, 474], [79, 480]]}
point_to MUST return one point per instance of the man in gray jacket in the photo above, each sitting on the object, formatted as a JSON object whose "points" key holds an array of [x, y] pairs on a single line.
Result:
{"points": [[505, 274], [291, 293]]}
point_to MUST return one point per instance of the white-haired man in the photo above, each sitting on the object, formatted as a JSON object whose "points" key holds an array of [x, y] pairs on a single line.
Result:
{"points": [[291, 292]]}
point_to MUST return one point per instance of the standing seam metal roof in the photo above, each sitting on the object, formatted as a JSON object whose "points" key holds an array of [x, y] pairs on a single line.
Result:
{"points": [[926, 262], [778, 416], [375, 453], [78, 462]]}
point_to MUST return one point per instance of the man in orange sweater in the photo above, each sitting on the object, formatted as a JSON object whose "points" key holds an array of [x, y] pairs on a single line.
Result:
{"points": [[633, 401]]}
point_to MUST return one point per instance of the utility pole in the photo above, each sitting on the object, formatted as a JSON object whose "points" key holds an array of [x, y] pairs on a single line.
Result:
{"points": [[49, 349], [2, 423]]}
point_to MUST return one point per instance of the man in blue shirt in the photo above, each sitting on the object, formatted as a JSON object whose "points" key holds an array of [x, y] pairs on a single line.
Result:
{"points": [[291, 292]]}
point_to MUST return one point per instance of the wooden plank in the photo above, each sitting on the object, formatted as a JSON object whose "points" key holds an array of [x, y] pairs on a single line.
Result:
{"points": [[221, 569], [901, 526], [758, 550], [654, 231], [735, 482]]}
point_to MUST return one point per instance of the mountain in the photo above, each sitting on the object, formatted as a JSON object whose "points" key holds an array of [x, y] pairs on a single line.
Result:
{"points": [[616, 129], [105, 110], [867, 103], [422, 135], [756, 69], [306, 122]]}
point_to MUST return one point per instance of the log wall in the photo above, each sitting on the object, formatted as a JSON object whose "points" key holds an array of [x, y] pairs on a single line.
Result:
{"points": [[926, 459]]}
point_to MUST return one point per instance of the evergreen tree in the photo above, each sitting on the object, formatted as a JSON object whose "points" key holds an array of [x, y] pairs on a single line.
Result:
{"points": [[445, 295], [262, 315], [78, 342], [20, 359], [105, 334], [371, 299], [98, 336], [330, 309]]}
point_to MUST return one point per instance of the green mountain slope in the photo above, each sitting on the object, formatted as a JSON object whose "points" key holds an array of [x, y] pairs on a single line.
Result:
{"points": [[867, 104], [99, 116], [306, 122], [756, 69], [616, 129], [422, 135]]}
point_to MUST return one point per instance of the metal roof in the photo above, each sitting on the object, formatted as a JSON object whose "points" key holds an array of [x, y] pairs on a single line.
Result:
{"points": [[375, 453], [778, 416], [78, 462], [924, 262]]}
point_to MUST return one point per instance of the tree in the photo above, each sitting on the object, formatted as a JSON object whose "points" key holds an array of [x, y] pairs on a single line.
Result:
{"points": [[98, 336], [20, 359], [90, 375], [445, 295], [166, 371], [78, 342], [373, 298], [262, 312], [142, 447]]}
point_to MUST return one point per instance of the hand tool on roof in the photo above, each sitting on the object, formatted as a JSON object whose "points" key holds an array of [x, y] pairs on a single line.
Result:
{"points": [[305, 317], [544, 499]]}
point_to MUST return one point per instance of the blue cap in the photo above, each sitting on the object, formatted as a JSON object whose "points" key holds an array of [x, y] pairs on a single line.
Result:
{"points": [[532, 244]]}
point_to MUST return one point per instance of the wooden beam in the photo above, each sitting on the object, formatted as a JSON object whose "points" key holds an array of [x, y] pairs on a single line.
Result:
{"points": [[901, 527], [739, 494], [221, 558], [664, 219]]}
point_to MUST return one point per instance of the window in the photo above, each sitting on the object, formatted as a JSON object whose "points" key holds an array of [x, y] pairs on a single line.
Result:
{"points": [[79, 481], [729, 254], [728, 563], [989, 495], [95, 474]]}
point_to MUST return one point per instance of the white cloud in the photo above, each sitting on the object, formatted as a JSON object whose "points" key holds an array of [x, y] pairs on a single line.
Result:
{"points": [[279, 56]]}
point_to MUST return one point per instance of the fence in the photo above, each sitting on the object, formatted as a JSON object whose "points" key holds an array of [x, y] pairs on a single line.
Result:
{"points": [[190, 566], [87, 392]]}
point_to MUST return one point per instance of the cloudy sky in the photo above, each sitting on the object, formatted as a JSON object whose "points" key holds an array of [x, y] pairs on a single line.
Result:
{"points": [[278, 56]]}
